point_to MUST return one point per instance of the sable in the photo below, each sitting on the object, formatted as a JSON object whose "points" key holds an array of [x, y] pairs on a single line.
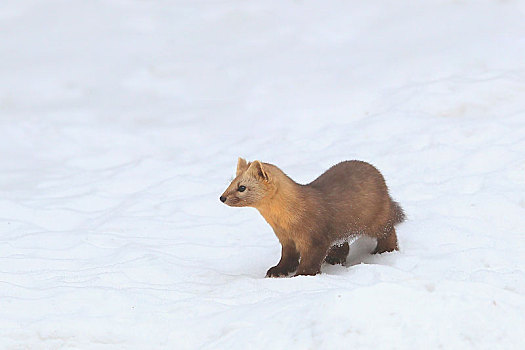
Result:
{"points": [[313, 222]]}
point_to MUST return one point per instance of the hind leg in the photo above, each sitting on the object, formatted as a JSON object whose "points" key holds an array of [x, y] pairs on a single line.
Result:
{"points": [[387, 243], [337, 254]]}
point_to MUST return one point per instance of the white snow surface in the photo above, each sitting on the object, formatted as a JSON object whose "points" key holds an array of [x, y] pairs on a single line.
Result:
{"points": [[120, 125]]}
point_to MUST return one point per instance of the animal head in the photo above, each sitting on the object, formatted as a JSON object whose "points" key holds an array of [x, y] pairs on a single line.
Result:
{"points": [[252, 184]]}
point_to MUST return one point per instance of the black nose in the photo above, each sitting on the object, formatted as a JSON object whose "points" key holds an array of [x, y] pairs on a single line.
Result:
{"points": [[223, 199]]}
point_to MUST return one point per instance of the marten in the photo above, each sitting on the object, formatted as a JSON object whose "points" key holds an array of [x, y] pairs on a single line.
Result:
{"points": [[313, 222]]}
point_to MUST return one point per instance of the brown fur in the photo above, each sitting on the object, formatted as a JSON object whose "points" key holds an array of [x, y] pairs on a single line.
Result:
{"points": [[311, 221]]}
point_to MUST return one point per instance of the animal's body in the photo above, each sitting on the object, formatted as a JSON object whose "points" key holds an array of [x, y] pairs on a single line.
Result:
{"points": [[313, 221]]}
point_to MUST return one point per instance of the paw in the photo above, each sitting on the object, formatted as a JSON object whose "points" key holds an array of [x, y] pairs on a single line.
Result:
{"points": [[277, 271], [307, 272], [334, 260]]}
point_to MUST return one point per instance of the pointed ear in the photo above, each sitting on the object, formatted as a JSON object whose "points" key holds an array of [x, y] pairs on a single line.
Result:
{"points": [[241, 166], [257, 170]]}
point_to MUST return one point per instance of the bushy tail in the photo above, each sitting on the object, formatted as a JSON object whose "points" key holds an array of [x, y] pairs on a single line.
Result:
{"points": [[397, 212]]}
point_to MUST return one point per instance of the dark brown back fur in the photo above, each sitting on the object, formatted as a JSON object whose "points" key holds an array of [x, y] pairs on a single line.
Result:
{"points": [[357, 199]]}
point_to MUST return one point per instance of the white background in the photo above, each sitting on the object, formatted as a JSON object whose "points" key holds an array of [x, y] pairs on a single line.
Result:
{"points": [[120, 125]]}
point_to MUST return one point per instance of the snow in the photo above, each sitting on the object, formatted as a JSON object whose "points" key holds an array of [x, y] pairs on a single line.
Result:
{"points": [[120, 126]]}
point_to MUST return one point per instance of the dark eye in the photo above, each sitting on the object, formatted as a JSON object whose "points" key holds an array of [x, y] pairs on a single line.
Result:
{"points": [[241, 188]]}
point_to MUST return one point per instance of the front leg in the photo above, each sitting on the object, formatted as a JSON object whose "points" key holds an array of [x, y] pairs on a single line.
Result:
{"points": [[337, 254], [312, 256], [289, 260]]}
